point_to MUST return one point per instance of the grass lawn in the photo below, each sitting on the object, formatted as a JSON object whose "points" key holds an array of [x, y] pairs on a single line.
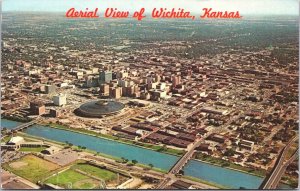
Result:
{"points": [[160, 148], [5, 139], [72, 179], [96, 171], [32, 149], [153, 168], [31, 167]]}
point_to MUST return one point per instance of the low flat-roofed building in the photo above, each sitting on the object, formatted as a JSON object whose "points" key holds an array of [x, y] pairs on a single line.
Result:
{"points": [[245, 144], [179, 184], [157, 137], [179, 143], [204, 147], [186, 136], [139, 103], [214, 111], [216, 138]]}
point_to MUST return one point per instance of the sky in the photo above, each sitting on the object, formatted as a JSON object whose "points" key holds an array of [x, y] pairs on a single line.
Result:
{"points": [[245, 7]]}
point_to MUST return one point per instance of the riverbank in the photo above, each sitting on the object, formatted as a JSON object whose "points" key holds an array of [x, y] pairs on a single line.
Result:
{"points": [[205, 182], [225, 164], [79, 148], [156, 148], [289, 181], [200, 170], [235, 167], [17, 119]]}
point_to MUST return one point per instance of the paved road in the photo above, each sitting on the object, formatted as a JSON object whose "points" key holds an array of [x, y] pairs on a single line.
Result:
{"points": [[280, 167], [139, 170]]}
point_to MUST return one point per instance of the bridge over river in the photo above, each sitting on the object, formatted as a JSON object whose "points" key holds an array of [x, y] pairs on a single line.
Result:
{"points": [[191, 150], [26, 125]]}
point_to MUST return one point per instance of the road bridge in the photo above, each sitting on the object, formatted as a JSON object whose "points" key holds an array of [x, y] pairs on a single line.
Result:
{"points": [[188, 155], [26, 125], [272, 180]]}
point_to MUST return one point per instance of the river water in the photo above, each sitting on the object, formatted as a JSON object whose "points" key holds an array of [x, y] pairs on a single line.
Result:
{"points": [[8, 124], [211, 173]]}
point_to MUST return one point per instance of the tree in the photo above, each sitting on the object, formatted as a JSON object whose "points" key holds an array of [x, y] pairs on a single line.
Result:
{"points": [[4, 130], [151, 165], [163, 148], [225, 164], [123, 159], [181, 172], [229, 152], [134, 162]]}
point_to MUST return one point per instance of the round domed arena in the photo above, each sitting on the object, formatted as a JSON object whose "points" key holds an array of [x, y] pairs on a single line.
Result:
{"points": [[99, 108]]}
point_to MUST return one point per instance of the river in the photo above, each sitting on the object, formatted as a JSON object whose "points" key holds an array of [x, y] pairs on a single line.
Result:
{"points": [[222, 176], [8, 124]]}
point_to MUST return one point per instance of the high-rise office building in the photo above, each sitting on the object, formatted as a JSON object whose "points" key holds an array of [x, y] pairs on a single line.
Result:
{"points": [[116, 93], [105, 77], [176, 80], [49, 89], [60, 100], [104, 89]]}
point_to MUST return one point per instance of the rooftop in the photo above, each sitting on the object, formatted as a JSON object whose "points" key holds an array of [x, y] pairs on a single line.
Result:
{"points": [[99, 108]]}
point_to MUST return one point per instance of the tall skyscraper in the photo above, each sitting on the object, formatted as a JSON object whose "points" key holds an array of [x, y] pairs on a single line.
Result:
{"points": [[104, 89], [116, 93], [105, 77], [176, 80]]}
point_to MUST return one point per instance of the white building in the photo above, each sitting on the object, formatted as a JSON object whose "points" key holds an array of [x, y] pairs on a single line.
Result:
{"points": [[161, 86], [64, 84], [95, 70], [15, 142], [60, 100]]}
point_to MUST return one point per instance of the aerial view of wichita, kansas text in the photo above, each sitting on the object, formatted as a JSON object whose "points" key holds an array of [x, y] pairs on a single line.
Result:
{"points": [[149, 94]]}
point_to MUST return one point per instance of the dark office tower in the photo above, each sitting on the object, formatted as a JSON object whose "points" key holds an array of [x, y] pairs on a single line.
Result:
{"points": [[105, 77]]}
